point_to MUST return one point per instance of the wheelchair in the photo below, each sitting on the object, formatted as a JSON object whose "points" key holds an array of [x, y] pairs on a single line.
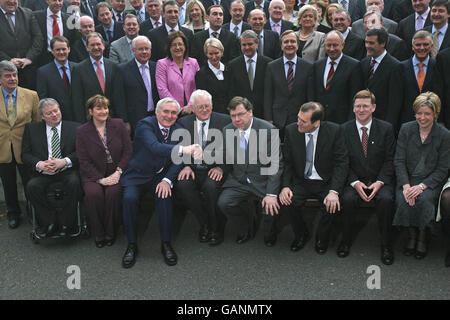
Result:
{"points": [[55, 196]]}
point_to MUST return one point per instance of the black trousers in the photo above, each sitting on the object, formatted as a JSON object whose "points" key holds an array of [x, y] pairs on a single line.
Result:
{"points": [[37, 189], [445, 213], [310, 189], [9, 181], [384, 208], [204, 208]]}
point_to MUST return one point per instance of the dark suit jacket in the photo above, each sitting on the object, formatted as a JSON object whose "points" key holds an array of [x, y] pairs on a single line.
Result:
{"points": [[205, 79], [379, 164], [285, 25], [410, 149], [245, 27], [397, 48], [217, 121], [263, 182], [50, 85], [25, 42], [117, 34], [272, 47], [446, 42], [354, 46], [330, 145], [35, 147], [41, 17], [281, 105], [226, 4], [91, 152], [229, 42], [92, 5], [85, 85], [78, 51], [407, 28], [240, 85], [130, 94], [250, 5], [150, 154], [401, 9], [443, 66], [146, 26], [387, 86], [346, 82], [36, 5], [411, 88], [158, 37]]}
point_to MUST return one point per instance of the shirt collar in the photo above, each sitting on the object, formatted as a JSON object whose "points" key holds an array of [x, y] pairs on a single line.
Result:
{"points": [[443, 30], [140, 64], [93, 60], [5, 93], [423, 15], [176, 28], [416, 61], [359, 125], [110, 28], [272, 23], [58, 127], [381, 56], [254, 58], [211, 32], [247, 132], [216, 71], [232, 25], [50, 13], [59, 65], [285, 60], [336, 62], [161, 127]]}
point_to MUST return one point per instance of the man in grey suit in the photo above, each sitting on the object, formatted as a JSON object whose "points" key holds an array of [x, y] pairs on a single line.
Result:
{"points": [[120, 50], [21, 40], [390, 25], [251, 171]]}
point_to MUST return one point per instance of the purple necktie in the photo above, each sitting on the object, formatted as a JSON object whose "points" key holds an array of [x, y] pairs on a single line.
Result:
{"points": [[147, 86]]}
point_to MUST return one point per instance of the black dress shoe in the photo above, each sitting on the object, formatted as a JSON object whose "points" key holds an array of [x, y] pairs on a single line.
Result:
{"points": [[203, 234], [13, 222], [243, 238], [170, 257], [321, 247], [129, 258], [387, 256], [299, 243], [343, 250], [110, 242], [215, 239], [64, 232], [447, 259], [270, 240], [421, 250], [100, 243]]}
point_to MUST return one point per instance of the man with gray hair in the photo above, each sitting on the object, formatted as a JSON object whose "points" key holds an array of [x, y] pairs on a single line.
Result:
{"points": [[353, 44], [248, 71], [78, 50], [390, 25], [207, 177], [48, 149], [120, 50], [276, 22], [20, 106], [135, 89]]}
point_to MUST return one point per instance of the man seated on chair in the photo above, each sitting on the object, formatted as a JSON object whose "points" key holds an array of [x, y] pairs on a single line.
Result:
{"points": [[48, 147]]}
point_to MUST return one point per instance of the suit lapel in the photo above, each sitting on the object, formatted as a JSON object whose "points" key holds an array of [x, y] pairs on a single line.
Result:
{"points": [[2, 107], [137, 73], [322, 68], [93, 75], [412, 75], [92, 134]]}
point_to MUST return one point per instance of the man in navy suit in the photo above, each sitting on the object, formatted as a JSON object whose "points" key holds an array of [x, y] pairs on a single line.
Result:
{"points": [[54, 79], [269, 41], [371, 146], [236, 24], [440, 13], [134, 98], [108, 28], [152, 168]]}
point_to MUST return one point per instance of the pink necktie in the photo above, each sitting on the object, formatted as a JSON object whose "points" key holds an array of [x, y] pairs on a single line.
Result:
{"points": [[100, 76]]}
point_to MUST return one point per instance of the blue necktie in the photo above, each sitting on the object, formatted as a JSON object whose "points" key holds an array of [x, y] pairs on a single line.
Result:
{"points": [[309, 156]]}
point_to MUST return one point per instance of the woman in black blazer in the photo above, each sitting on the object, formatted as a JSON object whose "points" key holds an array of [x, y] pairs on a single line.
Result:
{"points": [[213, 77], [422, 160]]}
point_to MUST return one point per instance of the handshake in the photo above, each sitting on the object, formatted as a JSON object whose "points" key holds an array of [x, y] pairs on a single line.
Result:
{"points": [[195, 150]]}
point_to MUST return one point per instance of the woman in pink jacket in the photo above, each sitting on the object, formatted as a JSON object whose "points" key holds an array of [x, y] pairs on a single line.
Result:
{"points": [[175, 75]]}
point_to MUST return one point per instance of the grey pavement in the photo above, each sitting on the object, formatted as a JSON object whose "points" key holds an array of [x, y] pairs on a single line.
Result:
{"points": [[229, 271]]}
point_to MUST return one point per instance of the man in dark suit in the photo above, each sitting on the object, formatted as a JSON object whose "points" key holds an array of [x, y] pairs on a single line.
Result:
{"points": [[226, 5], [414, 22], [309, 146], [251, 171], [88, 8], [155, 20], [379, 6], [351, 7], [53, 79], [205, 177], [276, 22], [248, 81], [21, 41], [371, 147], [228, 39], [36, 5], [158, 36], [287, 85], [443, 66], [256, 4], [152, 168], [138, 10], [337, 78], [354, 45], [236, 24], [78, 51], [440, 13], [136, 99], [383, 76], [401, 9], [55, 20], [269, 41], [110, 30], [420, 74], [92, 76], [48, 149], [118, 10]]}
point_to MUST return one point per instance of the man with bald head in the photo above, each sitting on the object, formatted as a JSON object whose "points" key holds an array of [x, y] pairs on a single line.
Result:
{"points": [[78, 50], [390, 25], [276, 22], [269, 41]]}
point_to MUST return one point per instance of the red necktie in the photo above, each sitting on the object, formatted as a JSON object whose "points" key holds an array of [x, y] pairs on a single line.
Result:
{"points": [[100, 76], [65, 78], [56, 31], [364, 140], [330, 75], [290, 75]]}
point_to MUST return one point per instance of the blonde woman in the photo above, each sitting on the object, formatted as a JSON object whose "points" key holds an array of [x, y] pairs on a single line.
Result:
{"points": [[311, 42], [196, 18]]}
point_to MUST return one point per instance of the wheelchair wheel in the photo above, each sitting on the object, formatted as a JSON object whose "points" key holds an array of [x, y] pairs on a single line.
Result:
{"points": [[33, 238]]}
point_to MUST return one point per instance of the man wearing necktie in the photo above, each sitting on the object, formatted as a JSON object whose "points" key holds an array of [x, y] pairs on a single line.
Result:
{"points": [[152, 169], [440, 13], [252, 172], [371, 146], [182, 18], [18, 106], [308, 147], [108, 28], [203, 177], [48, 149], [118, 7], [276, 22]]}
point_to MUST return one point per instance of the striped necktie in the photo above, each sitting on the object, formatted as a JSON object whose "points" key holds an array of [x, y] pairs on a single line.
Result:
{"points": [[420, 76], [330, 75], [290, 75], [56, 146]]}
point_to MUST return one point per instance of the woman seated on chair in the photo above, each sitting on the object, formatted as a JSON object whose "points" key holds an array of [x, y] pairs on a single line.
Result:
{"points": [[421, 162], [104, 150]]}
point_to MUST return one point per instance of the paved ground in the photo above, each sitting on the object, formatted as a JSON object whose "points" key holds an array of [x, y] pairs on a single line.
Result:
{"points": [[230, 271]]}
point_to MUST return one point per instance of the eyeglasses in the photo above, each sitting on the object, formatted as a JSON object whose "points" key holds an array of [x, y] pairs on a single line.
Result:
{"points": [[364, 106]]}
